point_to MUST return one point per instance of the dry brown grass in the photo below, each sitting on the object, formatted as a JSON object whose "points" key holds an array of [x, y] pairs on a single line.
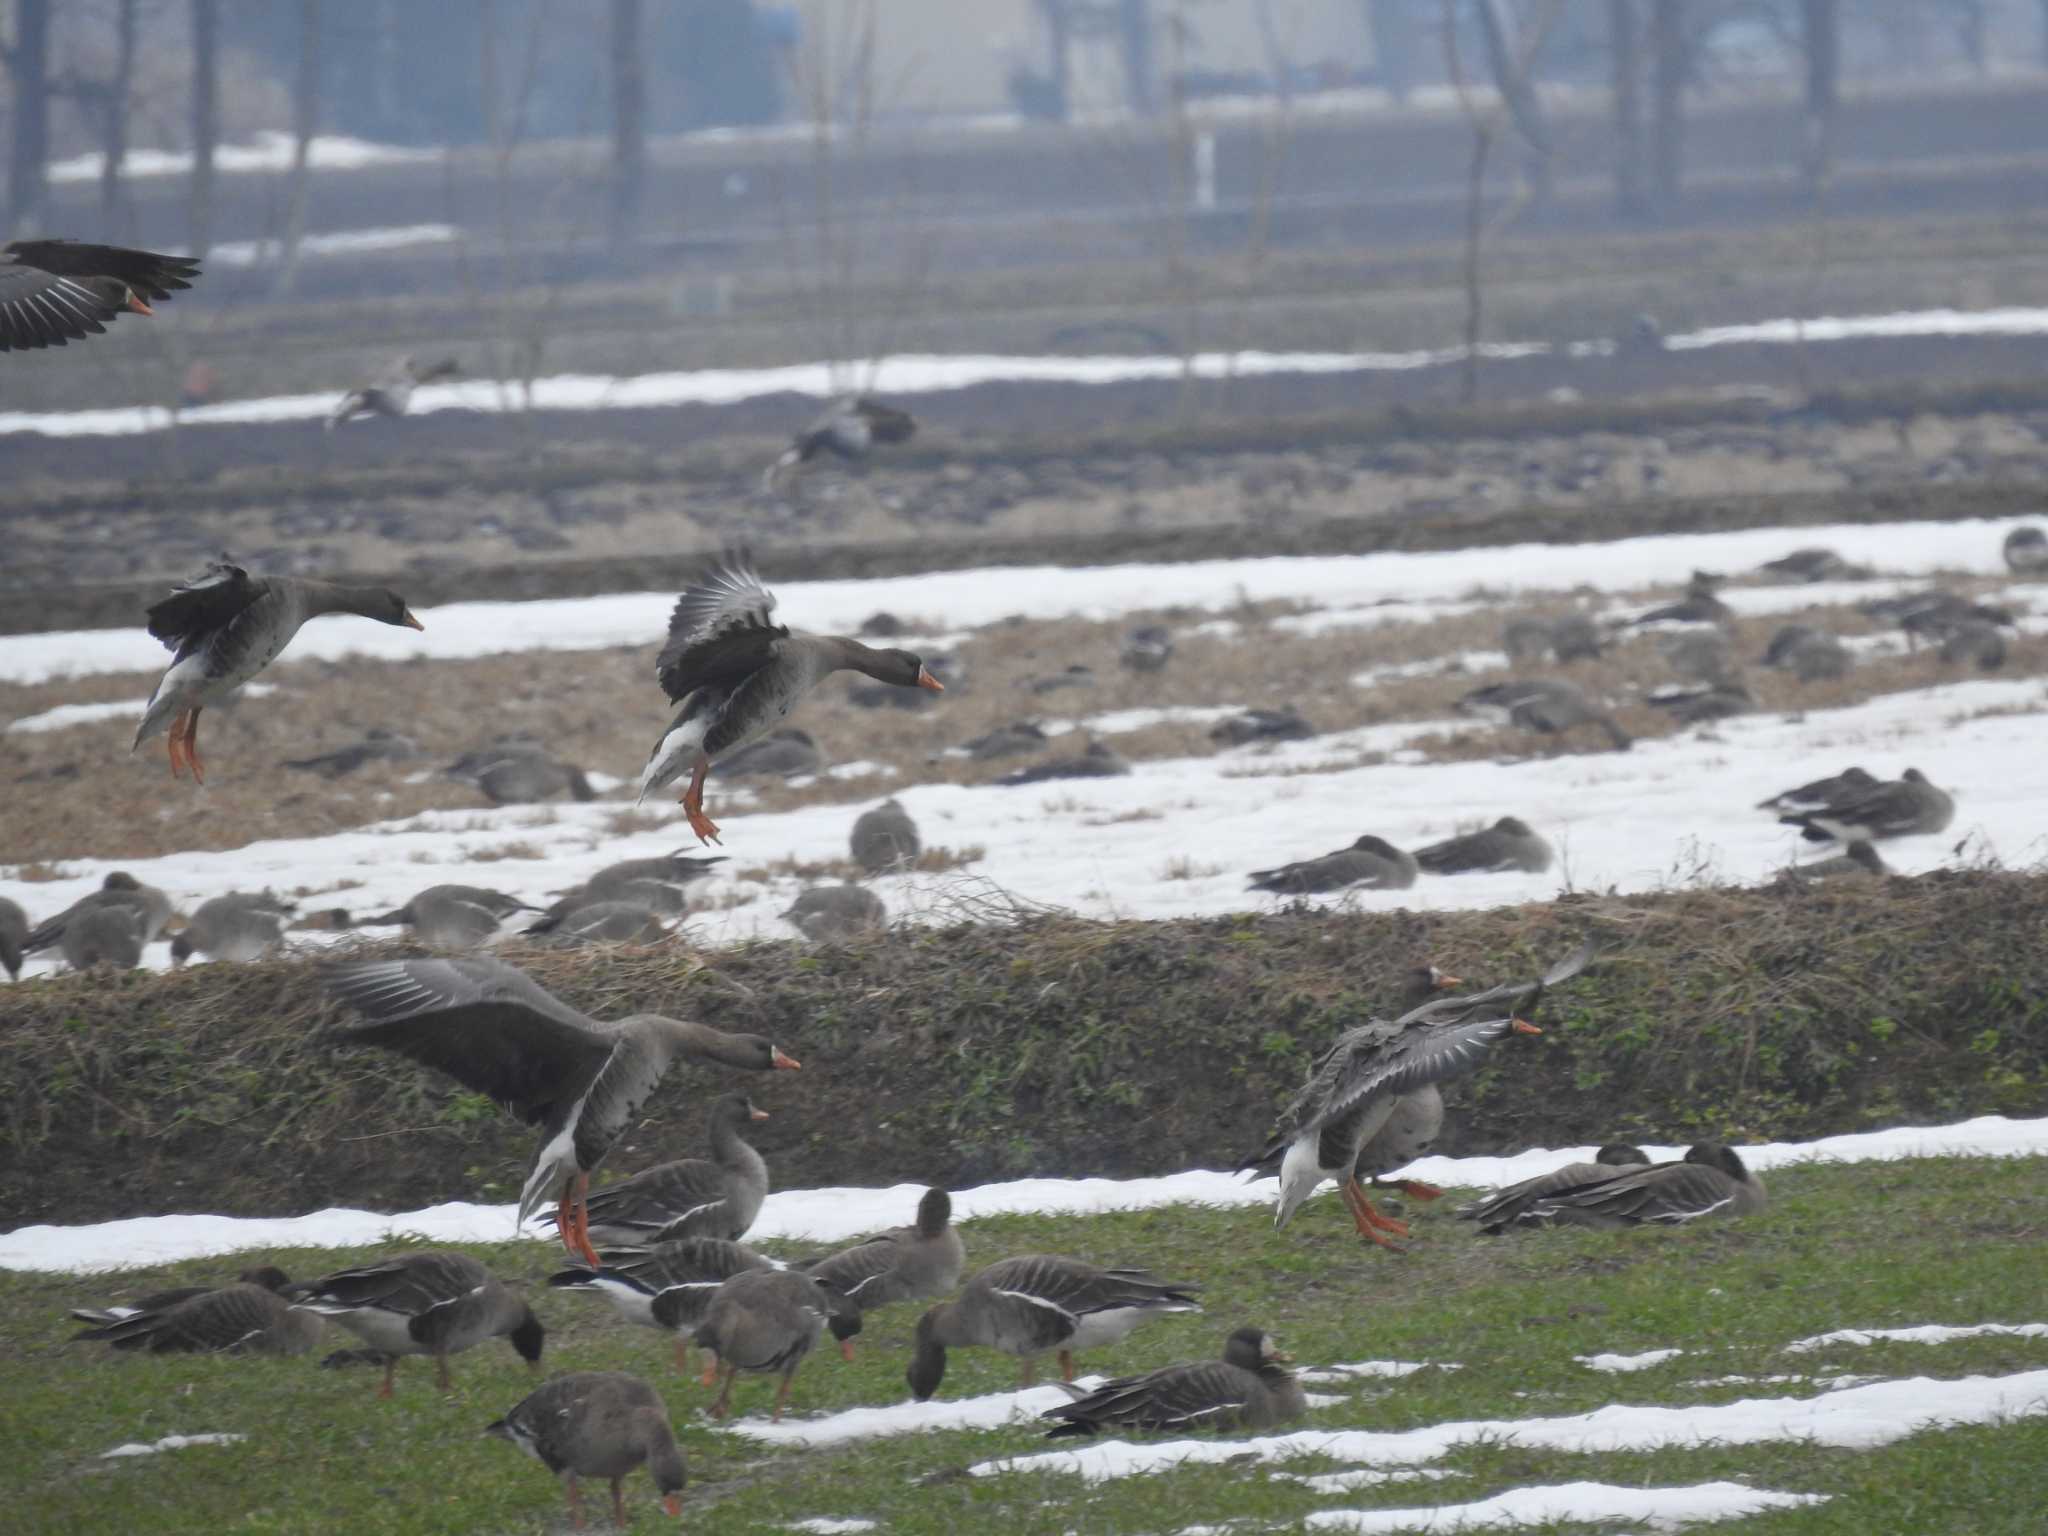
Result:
{"points": [[86, 796]]}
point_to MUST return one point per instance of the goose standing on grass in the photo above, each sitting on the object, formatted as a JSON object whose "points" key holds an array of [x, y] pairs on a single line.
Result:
{"points": [[885, 838], [454, 916], [1371, 1071], [1907, 807], [1711, 1180], [1508, 1202], [717, 1196], [268, 1276], [598, 1424], [847, 429], [902, 1264], [496, 1031], [223, 627], [120, 890], [14, 930], [1371, 861], [668, 1286], [237, 926], [391, 393], [1249, 1388], [242, 1318], [435, 1303], [763, 1322], [1507, 844], [737, 674], [1039, 1302], [58, 291]]}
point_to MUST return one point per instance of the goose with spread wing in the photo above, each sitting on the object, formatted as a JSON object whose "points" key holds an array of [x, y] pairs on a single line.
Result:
{"points": [[847, 429], [737, 674], [496, 1031], [225, 626], [58, 291]]}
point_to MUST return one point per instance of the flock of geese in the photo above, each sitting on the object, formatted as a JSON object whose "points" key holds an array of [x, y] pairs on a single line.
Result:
{"points": [[663, 1247]]}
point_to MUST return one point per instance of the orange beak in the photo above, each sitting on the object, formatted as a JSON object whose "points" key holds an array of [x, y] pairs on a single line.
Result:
{"points": [[1445, 981], [762, 1114], [136, 306], [926, 680], [410, 622], [781, 1063], [1524, 1027]]}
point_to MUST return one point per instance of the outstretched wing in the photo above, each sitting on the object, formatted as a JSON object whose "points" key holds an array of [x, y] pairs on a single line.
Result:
{"points": [[1514, 996], [721, 631], [149, 274], [204, 605]]}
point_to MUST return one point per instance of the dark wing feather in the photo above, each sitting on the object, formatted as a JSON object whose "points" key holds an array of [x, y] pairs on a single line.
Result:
{"points": [[41, 310], [863, 1273], [1666, 1194], [1509, 997], [1510, 1202], [484, 1023], [149, 274], [721, 631], [409, 1286], [657, 1196], [1172, 1397], [886, 423], [1425, 1054], [208, 603]]}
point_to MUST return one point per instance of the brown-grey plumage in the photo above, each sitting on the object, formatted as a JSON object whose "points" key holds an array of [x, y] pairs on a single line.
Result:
{"points": [[885, 837], [223, 627], [1283, 724], [737, 674], [1148, 648], [1012, 740], [241, 925], [601, 922], [902, 1264], [1368, 1073], [718, 1196], [1812, 564], [1078, 675], [471, 764], [58, 291], [390, 394], [1509, 1201], [1507, 844], [1249, 1388], [668, 1286], [1100, 761], [14, 931], [1698, 655], [1036, 1303], [1548, 706], [837, 912], [232, 1319], [268, 1276], [118, 889], [1909, 806], [1700, 605], [763, 1322], [2026, 551], [454, 916], [437, 1303], [1974, 643], [1821, 793], [1711, 1180], [846, 429], [1370, 861], [493, 1029], [532, 778], [377, 745], [1809, 654], [786, 753], [1857, 861], [598, 1424], [1698, 706], [104, 935], [660, 884]]}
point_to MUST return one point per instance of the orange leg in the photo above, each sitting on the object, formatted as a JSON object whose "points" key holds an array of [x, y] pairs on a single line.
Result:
{"points": [[1414, 1189], [174, 742], [390, 1371], [683, 1353], [781, 1398], [565, 1224], [710, 1367], [575, 1503], [618, 1504], [1027, 1371], [723, 1406], [1370, 1223], [846, 1350], [1066, 1365], [441, 1377], [192, 745], [693, 802]]}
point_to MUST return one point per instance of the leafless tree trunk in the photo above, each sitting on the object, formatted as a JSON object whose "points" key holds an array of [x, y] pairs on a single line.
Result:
{"points": [[1134, 24], [1820, 26], [305, 123], [28, 66], [629, 121], [1513, 73], [114, 123], [1625, 40], [1667, 103], [205, 119]]}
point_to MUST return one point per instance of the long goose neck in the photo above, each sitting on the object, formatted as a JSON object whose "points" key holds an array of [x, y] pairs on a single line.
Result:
{"points": [[727, 1145], [846, 655], [318, 597], [700, 1042], [664, 1458]]}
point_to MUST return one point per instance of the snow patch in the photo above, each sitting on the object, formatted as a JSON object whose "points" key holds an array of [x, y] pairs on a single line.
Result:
{"points": [[910, 1418], [169, 1443], [1623, 1363], [1928, 1333], [1662, 1508]]}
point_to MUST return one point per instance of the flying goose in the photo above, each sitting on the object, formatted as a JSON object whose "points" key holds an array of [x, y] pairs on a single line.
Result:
{"points": [[454, 916], [232, 1319], [1546, 705], [436, 1303], [14, 929], [1370, 861], [237, 926], [1821, 793], [1711, 1180], [1100, 761], [391, 393], [666, 1285], [692, 1196], [885, 837], [119, 889], [267, 1276], [763, 1322], [1249, 1388], [58, 291], [736, 673], [1507, 844], [1508, 1202], [902, 1264], [2026, 551], [1358, 1084], [836, 912], [1148, 648], [1906, 807], [598, 1424], [223, 627], [493, 1029], [1036, 1302], [847, 429], [1283, 724], [1856, 860], [601, 922]]}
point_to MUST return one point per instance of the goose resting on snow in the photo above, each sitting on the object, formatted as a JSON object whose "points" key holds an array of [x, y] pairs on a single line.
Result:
{"points": [[737, 674]]}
